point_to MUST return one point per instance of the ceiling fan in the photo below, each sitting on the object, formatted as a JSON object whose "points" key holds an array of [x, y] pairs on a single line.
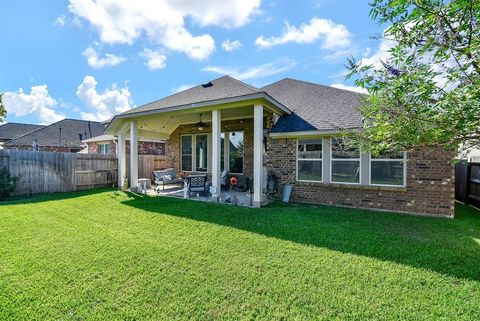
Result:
{"points": [[201, 125]]}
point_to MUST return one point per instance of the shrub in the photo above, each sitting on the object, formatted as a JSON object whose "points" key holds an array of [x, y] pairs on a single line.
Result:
{"points": [[7, 183]]}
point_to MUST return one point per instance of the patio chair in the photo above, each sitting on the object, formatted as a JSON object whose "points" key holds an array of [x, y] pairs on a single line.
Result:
{"points": [[197, 184], [166, 177], [243, 181]]}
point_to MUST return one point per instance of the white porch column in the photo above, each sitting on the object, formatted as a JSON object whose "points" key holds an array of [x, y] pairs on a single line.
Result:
{"points": [[133, 155], [216, 148], [226, 152], [122, 161], [257, 154]]}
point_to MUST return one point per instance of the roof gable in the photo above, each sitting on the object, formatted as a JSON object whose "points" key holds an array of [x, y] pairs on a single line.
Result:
{"points": [[220, 88]]}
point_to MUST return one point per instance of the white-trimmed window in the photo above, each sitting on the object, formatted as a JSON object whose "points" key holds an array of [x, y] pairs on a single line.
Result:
{"points": [[388, 169], [186, 153], [310, 160], [104, 149], [201, 152], [345, 163], [194, 152]]}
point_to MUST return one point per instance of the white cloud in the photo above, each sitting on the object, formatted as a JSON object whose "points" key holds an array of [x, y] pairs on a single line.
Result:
{"points": [[38, 103], [97, 62], [332, 35], [340, 54], [182, 88], [351, 88], [104, 105], [154, 59], [254, 72], [163, 21], [60, 21], [230, 46]]}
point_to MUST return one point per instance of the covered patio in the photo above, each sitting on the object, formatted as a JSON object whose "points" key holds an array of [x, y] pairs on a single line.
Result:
{"points": [[204, 136]]}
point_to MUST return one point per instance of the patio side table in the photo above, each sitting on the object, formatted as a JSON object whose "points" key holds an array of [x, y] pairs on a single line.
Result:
{"points": [[143, 184]]}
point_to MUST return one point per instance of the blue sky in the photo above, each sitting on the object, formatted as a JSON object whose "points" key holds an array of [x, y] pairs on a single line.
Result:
{"points": [[91, 59]]}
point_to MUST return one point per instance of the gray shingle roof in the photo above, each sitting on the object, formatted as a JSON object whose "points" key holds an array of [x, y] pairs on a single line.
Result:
{"points": [[70, 130], [314, 106], [11, 131], [223, 87]]}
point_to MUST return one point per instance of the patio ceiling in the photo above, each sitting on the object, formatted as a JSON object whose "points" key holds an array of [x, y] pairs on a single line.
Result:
{"points": [[161, 124]]}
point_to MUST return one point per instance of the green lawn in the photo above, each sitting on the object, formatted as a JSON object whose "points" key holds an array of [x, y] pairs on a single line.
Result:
{"points": [[108, 255]]}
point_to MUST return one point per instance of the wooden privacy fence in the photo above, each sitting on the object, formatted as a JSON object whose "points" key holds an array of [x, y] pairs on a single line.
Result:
{"points": [[147, 164], [467, 183], [50, 172]]}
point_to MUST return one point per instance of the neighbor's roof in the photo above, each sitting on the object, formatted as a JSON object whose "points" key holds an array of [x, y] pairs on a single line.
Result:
{"points": [[11, 131], [70, 130], [314, 106], [221, 88]]}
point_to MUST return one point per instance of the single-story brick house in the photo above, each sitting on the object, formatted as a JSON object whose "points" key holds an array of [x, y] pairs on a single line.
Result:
{"points": [[290, 128], [62, 136]]}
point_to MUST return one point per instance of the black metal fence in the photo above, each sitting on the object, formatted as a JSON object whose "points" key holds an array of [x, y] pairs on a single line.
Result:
{"points": [[467, 183]]}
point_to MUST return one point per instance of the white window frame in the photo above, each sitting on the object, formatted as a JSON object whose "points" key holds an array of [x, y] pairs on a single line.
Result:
{"points": [[226, 151], [332, 159], [194, 153], [309, 159], [103, 152], [404, 160]]}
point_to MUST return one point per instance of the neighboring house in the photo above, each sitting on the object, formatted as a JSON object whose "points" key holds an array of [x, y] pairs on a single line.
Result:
{"points": [[63, 136], [10, 131], [291, 129], [107, 145]]}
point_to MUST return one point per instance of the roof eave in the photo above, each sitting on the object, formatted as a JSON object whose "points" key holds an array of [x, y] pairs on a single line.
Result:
{"points": [[209, 103]]}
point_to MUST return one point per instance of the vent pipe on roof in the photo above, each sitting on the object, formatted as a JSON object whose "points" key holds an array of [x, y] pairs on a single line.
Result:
{"points": [[59, 136], [207, 85], [90, 129]]}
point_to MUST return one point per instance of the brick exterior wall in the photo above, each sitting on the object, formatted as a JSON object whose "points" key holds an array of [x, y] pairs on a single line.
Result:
{"points": [[144, 148], [429, 190]]}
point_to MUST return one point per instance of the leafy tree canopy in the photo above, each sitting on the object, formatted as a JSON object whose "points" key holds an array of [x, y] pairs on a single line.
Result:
{"points": [[427, 93], [3, 112]]}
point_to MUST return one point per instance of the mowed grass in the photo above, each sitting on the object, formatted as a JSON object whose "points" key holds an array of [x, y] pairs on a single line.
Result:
{"points": [[108, 255]]}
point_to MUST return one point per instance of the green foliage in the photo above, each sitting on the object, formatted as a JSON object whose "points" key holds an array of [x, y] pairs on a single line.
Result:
{"points": [[427, 92], [7, 183], [3, 111], [117, 256]]}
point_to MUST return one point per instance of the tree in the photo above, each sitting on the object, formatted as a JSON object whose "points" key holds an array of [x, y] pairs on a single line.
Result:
{"points": [[8, 183], [427, 93], [3, 112]]}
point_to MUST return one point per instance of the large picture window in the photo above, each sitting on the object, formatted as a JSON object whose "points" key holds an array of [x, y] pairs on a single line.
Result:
{"points": [[388, 169], [309, 160], [345, 165]]}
